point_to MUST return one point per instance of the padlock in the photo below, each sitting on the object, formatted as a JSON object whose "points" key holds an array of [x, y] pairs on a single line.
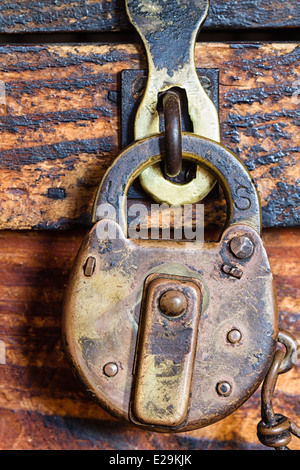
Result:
{"points": [[172, 335]]}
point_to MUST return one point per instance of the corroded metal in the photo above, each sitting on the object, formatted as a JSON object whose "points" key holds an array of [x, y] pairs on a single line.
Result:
{"points": [[224, 389], [173, 131], [103, 318], [110, 369], [234, 336], [241, 247], [173, 303], [133, 85], [166, 350], [89, 266], [169, 31], [243, 205], [232, 271]]}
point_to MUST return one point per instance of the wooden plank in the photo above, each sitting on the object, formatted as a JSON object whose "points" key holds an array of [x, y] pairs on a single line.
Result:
{"points": [[21, 16], [42, 405], [60, 130]]}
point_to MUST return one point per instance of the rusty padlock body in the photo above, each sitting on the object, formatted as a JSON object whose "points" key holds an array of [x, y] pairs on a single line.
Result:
{"points": [[235, 322]]}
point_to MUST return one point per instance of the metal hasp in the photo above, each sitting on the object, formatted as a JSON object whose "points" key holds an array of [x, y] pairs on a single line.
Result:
{"points": [[169, 31]]}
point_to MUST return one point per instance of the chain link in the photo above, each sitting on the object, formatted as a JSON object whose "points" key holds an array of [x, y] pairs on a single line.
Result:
{"points": [[276, 430]]}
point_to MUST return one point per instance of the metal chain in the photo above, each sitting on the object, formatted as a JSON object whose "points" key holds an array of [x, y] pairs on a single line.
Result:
{"points": [[276, 430]]}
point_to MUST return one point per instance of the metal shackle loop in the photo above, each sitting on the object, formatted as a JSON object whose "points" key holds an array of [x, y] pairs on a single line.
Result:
{"points": [[243, 204]]}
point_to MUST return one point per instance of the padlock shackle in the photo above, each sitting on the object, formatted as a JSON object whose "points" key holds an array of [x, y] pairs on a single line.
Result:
{"points": [[243, 204]]}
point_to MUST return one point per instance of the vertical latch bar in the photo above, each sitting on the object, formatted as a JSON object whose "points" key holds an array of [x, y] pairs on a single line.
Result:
{"points": [[166, 349]]}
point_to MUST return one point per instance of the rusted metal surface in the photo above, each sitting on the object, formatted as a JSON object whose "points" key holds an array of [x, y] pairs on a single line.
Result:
{"points": [[97, 333], [133, 84], [89, 267], [241, 247], [132, 88], [165, 354], [225, 374], [243, 205]]}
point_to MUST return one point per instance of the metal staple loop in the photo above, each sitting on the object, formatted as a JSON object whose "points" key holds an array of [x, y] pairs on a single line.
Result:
{"points": [[173, 134], [274, 430]]}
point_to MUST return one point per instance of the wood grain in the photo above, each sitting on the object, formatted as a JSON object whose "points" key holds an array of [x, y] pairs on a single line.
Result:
{"points": [[98, 15], [42, 406], [60, 126]]}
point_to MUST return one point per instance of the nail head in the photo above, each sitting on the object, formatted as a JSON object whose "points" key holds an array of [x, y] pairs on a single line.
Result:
{"points": [[110, 369], [234, 336], [224, 389]]}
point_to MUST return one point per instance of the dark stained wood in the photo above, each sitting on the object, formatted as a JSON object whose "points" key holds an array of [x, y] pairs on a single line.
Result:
{"points": [[60, 126], [42, 406], [95, 15]]}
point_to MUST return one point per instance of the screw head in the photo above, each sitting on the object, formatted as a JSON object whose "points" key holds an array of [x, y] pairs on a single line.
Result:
{"points": [[224, 389], [242, 247], [138, 87], [110, 369], [234, 336], [173, 303]]}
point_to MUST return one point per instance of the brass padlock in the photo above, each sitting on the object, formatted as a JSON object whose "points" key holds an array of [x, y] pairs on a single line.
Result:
{"points": [[172, 335]]}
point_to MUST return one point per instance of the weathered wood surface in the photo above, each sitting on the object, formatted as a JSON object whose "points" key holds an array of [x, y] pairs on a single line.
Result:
{"points": [[42, 406], [98, 15], [60, 126]]}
